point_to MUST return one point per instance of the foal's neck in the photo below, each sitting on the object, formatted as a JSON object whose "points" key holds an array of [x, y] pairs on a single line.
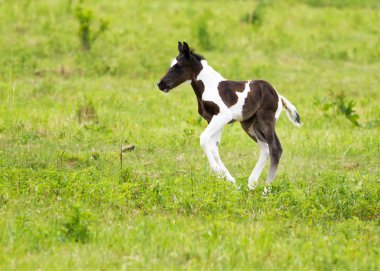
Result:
{"points": [[207, 78], [208, 74]]}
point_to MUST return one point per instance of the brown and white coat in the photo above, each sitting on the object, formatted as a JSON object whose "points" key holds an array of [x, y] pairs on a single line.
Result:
{"points": [[255, 104]]}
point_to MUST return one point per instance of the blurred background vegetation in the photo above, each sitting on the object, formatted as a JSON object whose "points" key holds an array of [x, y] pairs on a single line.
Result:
{"points": [[78, 83]]}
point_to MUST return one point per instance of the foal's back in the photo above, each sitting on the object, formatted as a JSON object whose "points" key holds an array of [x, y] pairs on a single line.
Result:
{"points": [[261, 98]]}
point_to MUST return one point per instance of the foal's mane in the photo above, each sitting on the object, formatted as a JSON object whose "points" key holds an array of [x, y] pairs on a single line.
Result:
{"points": [[197, 56]]}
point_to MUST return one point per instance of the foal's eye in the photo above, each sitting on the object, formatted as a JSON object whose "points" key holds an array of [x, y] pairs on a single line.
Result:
{"points": [[177, 67]]}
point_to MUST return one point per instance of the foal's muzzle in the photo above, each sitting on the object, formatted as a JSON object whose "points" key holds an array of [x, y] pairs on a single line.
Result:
{"points": [[163, 86]]}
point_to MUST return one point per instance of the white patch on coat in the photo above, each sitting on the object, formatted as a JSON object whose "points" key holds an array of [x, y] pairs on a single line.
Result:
{"points": [[173, 62], [237, 109], [209, 76], [279, 108], [211, 80]]}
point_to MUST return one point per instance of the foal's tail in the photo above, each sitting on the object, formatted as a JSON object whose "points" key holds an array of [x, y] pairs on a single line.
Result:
{"points": [[291, 112]]}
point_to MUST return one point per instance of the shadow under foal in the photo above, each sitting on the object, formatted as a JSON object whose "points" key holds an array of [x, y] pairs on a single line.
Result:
{"points": [[256, 104]]}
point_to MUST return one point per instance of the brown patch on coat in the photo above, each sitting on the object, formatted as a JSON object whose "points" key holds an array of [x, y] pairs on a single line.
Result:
{"points": [[206, 109], [248, 127], [262, 96], [211, 107], [227, 91], [198, 88]]}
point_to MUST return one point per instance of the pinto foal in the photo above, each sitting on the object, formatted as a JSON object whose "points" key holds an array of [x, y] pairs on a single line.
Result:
{"points": [[256, 104]]}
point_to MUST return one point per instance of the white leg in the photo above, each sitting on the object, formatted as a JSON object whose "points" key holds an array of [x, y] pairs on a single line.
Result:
{"points": [[209, 145], [215, 151], [264, 154]]}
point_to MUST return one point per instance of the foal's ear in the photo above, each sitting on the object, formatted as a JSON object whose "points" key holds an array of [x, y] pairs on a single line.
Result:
{"points": [[180, 47], [186, 49]]}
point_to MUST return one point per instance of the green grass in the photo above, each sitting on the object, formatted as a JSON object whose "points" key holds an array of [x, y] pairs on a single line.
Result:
{"points": [[65, 202]]}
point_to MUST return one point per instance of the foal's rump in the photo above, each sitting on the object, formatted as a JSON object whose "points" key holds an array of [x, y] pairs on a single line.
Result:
{"points": [[262, 100], [269, 103]]}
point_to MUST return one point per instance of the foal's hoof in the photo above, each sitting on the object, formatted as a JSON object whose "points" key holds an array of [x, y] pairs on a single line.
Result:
{"points": [[227, 178], [230, 179], [252, 186]]}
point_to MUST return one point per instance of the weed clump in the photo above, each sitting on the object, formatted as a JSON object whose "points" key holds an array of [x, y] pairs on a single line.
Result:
{"points": [[86, 113], [336, 104], [203, 35], [256, 17], [126, 175], [86, 33], [76, 227]]}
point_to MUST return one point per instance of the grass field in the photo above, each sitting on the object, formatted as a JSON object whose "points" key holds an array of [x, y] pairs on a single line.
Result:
{"points": [[71, 96]]}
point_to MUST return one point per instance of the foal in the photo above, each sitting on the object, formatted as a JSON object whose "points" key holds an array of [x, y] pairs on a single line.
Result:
{"points": [[256, 104]]}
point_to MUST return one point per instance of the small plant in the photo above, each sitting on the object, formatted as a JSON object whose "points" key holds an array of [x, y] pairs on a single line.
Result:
{"points": [[95, 155], [347, 109], [187, 136], [76, 227], [26, 6], [126, 175], [87, 113], [157, 191], [86, 35], [338, 104], [373, 123], [203, 35], [257, 15]]}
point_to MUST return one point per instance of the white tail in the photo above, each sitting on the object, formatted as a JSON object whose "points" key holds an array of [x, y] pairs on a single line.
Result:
{"points": [[291, 112]]}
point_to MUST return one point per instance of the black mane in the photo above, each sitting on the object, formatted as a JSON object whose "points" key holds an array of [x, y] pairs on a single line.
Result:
{"points": [[197, 56]]}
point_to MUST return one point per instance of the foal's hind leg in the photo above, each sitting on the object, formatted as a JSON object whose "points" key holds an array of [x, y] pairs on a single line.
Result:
{"points": [[248, 127], [265, 131], [275, 150], [264, 154]]}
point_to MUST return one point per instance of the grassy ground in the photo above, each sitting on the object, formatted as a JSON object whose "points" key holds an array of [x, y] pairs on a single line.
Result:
{"points": [[65, 201]]}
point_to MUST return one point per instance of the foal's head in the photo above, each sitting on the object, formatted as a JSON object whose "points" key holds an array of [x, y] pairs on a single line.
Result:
{"points": [[186, 66]]}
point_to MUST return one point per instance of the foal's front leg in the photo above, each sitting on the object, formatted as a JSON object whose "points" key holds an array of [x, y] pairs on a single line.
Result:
{"points": [[208, 144], [215, 151]]}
